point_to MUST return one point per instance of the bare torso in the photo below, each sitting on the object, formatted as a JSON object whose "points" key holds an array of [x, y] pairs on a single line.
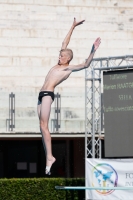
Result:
{"points": [[55, 76]]}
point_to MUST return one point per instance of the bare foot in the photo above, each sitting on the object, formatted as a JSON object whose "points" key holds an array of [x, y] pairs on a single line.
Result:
{"points": [[49, 164]]}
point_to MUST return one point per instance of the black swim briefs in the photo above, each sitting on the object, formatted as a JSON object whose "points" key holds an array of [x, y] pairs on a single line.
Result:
{"points": [[45, 93]]}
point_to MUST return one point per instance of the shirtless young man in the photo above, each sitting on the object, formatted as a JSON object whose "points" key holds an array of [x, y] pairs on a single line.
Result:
{"points": [[55, 76]]}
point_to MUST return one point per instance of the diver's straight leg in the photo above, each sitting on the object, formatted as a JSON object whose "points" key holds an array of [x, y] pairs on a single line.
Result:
{"points": [[44, 119]]}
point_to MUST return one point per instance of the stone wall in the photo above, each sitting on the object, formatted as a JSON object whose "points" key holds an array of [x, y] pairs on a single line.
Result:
{"points": [[31, 34]]}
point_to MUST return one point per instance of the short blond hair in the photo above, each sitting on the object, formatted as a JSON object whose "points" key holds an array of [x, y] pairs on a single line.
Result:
{"points": [[69, 51]]}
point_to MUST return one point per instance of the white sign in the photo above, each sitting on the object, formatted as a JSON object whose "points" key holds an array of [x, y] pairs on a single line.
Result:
{"points": [[109, 173]]}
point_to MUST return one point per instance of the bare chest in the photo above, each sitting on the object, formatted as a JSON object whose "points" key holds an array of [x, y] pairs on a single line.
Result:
{"points": [[59, 74]]}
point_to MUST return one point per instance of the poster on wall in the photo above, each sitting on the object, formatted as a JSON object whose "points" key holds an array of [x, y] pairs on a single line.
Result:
{"points": [[109, 173]]}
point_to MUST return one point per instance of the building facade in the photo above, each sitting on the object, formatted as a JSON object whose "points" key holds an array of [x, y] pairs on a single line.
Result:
{"points": [[31, 35]]}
